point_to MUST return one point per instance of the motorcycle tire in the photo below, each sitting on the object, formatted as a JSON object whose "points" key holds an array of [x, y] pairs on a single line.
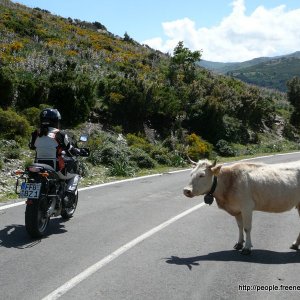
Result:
{"points": [[36, 221], [67, 212]]}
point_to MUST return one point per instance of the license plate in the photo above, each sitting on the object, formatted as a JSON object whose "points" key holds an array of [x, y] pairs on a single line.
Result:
{"points": [[30, 190]]}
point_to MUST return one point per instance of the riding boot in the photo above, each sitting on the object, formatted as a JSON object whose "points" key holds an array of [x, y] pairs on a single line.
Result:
{"points": [[69, 199]]}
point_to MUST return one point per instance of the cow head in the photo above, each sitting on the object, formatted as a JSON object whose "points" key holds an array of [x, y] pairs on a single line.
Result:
{"points": [[201, 178]]}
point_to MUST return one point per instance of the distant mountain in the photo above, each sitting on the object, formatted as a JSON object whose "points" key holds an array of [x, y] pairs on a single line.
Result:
{"points": [[269, 72]]}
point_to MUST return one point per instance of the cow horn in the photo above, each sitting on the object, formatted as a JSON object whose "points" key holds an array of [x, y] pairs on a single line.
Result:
{"points": [[194, 163], [214, 163], [191, 161]]}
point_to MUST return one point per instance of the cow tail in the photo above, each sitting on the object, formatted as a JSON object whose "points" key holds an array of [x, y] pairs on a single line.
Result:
{"points": [[298, 208]]}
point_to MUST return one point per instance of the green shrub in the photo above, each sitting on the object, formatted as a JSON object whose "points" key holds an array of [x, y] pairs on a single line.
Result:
{"points": [[113, 152], [95, 143], [8, 144], [138, 142], [12, 125], [14, 153], [273, 147], [121, 167], [290, 132], [233, 130], [118, 129], [10, 149], [95, 157], [176, 160], [225, 149], [108, 153], [141, 158], [32, 114], [161, 156]]}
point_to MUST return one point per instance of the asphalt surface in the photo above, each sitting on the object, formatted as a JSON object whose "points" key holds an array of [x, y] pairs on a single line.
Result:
{"points": [[188, 258]]}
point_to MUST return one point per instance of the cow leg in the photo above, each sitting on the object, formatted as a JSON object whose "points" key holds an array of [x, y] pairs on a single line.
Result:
{"points": [[240, 243], [247, 224], [296, 244]]}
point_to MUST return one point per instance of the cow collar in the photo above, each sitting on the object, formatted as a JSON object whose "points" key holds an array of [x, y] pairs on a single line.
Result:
{"points": [[209, 198]]}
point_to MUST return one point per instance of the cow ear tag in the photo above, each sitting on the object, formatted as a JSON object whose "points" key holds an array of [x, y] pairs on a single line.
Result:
{"points": [[209, 199]]}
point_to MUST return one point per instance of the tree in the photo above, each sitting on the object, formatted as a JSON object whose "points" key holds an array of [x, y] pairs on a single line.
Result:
{"points": [[127, 38], [255, 110], [184, 61], [32, 91], [124, 102], [73, 95], [7, 87], [293, 94]]}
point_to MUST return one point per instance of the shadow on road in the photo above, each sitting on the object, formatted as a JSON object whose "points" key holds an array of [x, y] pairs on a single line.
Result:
{"points": [[15, 236], [257, 256]]}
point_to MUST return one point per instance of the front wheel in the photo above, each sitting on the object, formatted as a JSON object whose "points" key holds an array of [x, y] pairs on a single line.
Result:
{"points": [[67, 212], [36, 219]]}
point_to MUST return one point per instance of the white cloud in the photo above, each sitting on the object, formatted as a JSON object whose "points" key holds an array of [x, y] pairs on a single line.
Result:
{"points": [[238, 37]]}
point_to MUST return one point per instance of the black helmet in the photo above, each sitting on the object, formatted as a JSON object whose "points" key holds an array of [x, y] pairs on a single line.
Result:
{"points": [[50, 117]]}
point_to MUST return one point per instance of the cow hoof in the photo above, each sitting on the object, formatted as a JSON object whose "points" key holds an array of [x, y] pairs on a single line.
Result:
{"points": [[238, 246], [294, 247], [246, 251]]}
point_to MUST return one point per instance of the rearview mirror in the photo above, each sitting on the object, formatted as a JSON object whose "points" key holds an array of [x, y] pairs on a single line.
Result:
{"points": [[84, 138]]}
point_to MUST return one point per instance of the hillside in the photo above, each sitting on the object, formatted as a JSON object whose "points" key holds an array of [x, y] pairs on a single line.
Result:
{"points": [[223, 68], [143, 109], [90, 74], [268, 72], [273, 74]]}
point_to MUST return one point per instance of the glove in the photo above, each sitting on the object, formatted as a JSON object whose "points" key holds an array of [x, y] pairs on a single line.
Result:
{"points": [[76, 151], [84, 152]]}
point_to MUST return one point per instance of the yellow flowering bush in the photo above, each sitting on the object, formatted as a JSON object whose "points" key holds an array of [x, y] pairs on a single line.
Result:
{"points": [[198, 148]]}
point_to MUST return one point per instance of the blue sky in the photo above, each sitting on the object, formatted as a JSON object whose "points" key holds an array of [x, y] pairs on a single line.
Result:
{"points": [[225, 30]]}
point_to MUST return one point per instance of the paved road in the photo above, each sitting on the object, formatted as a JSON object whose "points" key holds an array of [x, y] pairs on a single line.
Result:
{"points": [[117, 250]]}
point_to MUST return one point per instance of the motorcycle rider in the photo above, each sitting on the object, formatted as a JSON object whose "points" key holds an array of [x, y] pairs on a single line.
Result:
{"points": [[52, 147]]}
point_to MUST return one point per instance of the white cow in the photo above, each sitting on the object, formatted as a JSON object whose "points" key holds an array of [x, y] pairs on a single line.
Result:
{"points": [[243, 187]]}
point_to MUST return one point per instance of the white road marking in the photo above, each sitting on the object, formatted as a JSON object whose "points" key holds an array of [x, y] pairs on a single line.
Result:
{"points": [[3, 207], [101, 263], [129, 180], [12, 205]]}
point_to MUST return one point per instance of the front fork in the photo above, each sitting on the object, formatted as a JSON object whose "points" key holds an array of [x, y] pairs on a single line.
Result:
{"points": [[56, 200]]}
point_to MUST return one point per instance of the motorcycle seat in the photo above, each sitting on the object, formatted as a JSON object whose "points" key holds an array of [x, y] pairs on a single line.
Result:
{"points": [[44, 166]]}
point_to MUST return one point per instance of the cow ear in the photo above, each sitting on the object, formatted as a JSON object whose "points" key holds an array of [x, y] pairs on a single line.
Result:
{"points": [[216, 170]]}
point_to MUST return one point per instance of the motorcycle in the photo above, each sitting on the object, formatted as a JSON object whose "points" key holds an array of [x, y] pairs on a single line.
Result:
{"points": [[46, 193]]}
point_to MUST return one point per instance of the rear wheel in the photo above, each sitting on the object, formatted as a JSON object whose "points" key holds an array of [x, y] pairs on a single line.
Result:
{"points": [[36, 219], [67, 212]]}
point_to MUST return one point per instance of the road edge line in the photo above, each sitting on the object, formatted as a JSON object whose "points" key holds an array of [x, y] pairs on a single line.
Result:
{"points": [[22, 202]]}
